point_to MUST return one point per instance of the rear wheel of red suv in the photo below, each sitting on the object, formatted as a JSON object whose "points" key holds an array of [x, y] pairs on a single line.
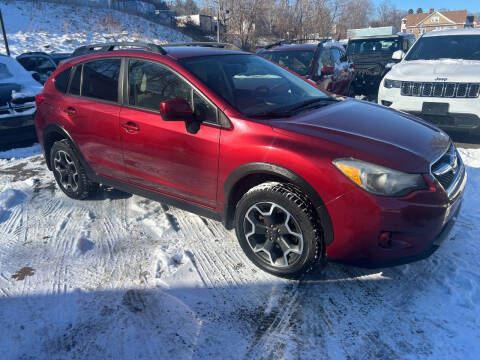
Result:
{"points": [[69, 173], [278, 229]]}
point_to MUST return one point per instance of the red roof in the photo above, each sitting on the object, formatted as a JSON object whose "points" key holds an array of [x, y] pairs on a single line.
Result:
{"points": [[457, 16]]}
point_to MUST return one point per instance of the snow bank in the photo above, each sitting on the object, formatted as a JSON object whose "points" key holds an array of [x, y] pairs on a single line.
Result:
{"points": [[52, 27]]}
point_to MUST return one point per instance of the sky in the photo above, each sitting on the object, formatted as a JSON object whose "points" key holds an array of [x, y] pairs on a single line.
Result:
{"points": [[471, 5]]}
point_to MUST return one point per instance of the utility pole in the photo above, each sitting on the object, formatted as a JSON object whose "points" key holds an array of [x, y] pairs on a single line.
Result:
{"points": [[218, 24], [4, 33]]}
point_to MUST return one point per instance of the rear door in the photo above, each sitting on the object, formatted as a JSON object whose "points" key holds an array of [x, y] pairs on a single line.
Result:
{"points": [[161, 155], [90, 113]]}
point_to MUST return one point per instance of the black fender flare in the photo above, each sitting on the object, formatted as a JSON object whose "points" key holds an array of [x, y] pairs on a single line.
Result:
{"points": [[279, 172], [55, 129]]}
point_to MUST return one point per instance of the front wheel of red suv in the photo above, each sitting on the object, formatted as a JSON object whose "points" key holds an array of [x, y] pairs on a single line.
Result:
{"points": [[278, 229], [69, 173]]}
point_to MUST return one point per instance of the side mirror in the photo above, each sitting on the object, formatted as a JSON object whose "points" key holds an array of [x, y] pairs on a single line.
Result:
{"points": [[328, 70], [179, 110], [398, 55], [175, 110]]}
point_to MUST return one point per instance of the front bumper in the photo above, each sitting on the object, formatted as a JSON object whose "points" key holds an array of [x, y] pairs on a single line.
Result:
{"points": [[17, 129], [418, 223], [463, 113]]}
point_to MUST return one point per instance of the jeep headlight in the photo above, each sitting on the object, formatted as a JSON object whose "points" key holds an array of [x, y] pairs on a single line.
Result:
{"points": [[380, 180], [389, 84]]}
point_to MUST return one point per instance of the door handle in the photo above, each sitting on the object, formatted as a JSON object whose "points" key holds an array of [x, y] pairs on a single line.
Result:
{"points": [[70, 111], [131, 127]]}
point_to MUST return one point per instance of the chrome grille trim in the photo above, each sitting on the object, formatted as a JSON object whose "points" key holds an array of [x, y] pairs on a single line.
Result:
{"points": [[449, 171], [450, 90]]}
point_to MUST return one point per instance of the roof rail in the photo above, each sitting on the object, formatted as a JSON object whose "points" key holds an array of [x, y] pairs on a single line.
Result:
{"points": [[206, 44], [103, 47], [281, 42]]}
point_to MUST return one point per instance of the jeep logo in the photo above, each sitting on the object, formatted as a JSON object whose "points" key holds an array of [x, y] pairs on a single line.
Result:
{"points": [[441, 79]]}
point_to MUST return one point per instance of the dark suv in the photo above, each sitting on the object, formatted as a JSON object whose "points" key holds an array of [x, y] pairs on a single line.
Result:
{"points": [[231, 136], [41, 63], [323, 62], [374, 56]]}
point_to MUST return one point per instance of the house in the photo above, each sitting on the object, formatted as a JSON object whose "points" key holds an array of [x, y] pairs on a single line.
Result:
{"points": [[419, 24]]}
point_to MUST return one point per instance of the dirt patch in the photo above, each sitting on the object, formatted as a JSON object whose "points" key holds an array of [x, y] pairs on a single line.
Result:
{"points": [[22, 273], [134, 301], [20, 173]]}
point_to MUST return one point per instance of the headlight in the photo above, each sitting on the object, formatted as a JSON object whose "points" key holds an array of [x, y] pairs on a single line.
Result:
{"points": [[380, 180], [389, 84]]}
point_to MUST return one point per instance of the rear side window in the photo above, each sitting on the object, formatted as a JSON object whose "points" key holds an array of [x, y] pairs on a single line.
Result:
{"points": [[100, 79], [61, 81], [75, 85]]}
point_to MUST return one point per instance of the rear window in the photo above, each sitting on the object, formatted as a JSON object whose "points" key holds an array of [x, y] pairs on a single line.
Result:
{"points": [[298, 61], [100, 79], [465, 47], [61, 81]]}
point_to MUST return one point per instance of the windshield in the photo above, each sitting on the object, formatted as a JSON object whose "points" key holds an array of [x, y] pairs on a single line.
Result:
{"points": [[298, 61], [251, 84], [370, 46], [465, 47]]}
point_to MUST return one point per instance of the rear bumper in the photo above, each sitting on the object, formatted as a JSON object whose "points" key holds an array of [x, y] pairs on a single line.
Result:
{"points": [[418, 224], [17, 129]]}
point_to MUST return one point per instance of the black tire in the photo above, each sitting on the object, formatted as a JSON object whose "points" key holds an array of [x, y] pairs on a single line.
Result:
{"points": [[72, 177], [280, 197]]}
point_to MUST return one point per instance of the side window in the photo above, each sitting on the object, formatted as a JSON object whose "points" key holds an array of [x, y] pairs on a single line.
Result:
{"points": [[100, 79], [149, 84], [326, 58], [75, 84], [336, 56], [61, 81]]}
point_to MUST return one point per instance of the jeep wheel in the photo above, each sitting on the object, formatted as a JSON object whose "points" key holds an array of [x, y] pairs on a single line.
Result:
{"points": [[278, 229], [69, 173]]}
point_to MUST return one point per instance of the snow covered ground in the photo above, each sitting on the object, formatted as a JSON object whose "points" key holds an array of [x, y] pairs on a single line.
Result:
{"points": [[123, 277], [61, 28]]}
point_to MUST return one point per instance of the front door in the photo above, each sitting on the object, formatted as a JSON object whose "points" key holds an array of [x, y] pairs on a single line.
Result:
{"points": [[161, 155]]}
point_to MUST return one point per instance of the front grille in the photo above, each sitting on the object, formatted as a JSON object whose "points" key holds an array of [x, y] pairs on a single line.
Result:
{"points": [[449, 90], [447, 169], [368, 69]]}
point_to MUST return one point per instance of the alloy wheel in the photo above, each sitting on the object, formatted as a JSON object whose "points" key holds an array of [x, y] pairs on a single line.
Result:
{"points": [[273, 234], [67, 171]]}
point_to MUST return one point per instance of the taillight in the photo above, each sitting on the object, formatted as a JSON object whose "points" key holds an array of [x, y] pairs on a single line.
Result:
{"points": [[39, 98]]}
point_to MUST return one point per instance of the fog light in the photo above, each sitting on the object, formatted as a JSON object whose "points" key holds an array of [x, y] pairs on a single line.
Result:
{"points": [[385, 239], [386, 103]]}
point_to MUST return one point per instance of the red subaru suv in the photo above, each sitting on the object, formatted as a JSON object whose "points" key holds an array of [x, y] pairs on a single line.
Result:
{"points": [[299, 174]]}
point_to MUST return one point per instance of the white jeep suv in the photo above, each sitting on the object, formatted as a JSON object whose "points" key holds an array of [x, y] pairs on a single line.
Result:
{"points": [[438, 80]]}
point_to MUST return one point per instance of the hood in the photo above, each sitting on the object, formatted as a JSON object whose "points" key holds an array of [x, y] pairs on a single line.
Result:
{"points": [[448, 70], [371, 133]]}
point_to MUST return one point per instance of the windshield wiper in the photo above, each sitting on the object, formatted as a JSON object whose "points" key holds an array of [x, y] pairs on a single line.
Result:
{"points": [[321, 101], [309, 102], [271, 114]]}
